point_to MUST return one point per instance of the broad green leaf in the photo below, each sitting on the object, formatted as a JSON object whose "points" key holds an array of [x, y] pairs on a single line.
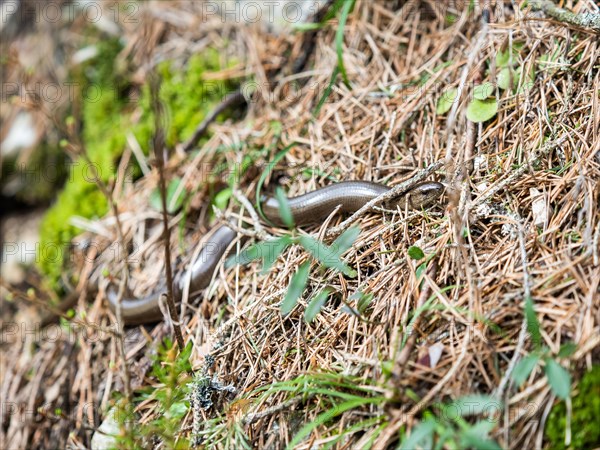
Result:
{"points": [[307, 26], [482, 110], [484, 91], [526, 81], [325, 255], [273, 249], [416, 253], [473, 405], [567, 349], [421, 270], [285, 212], [315, 305], [330, 414], [175, 197], [268, 251], [268, 168], [364, 300], [345, 240], [177, 410], [503, 78], [420, 436], [533, 325], [476, 436], [472, 439], [502, 58], [558, 378], [295, 289], [327, 91], [446, 101], [222, 198], [524, 368]]}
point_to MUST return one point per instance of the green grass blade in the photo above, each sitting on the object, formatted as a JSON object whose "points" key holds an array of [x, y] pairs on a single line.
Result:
{"points": [[330, 414], [339, 39], [325, 255], [315, 305], [295, 289]]}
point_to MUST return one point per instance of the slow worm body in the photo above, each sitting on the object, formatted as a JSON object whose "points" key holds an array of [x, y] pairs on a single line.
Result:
{"points": [[349, 196]]}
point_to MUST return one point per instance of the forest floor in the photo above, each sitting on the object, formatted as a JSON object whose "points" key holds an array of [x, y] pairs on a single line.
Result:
{"points": [[469, 324]]}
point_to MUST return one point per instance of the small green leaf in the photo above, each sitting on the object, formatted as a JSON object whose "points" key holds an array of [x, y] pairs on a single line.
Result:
{"points": [[558, 378], [285, 212], [473, 405], [387, 368], [421, 270], [273, 249], [416, 253], [472, 439], [177, 410], [307, 26], [269, 168], [345, 240], [524, 368], [175, 197], [420, 436], [327, 91], [446, 101], [484, 91], [315, 305], [268, 251], [503, 78], [364, 301], [533, 325], [482, 110], [502, 58], [526, 81], [325, 255], [295, 289], [567, 349], [222, 198]]}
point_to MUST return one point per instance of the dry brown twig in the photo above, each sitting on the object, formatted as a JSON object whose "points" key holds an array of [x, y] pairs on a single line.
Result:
{"points": [[589, 21], [395, 192], [159, 148]]}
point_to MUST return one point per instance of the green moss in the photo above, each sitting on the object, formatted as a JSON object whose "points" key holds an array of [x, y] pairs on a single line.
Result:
{"points": [[186, 95], [105, 112], [586, 408], [104, 143]]}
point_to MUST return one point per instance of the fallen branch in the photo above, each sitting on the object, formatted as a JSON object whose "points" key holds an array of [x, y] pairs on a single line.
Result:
{"points": [[584, 20], [396, 191]]}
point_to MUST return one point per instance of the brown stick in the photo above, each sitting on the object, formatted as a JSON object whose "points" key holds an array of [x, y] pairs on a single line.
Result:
{"points": [[158, 143], [587, 20], [230, 100]]}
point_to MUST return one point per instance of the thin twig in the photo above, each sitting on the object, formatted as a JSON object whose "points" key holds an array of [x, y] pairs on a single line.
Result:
{"points": [[158, 142], [236, 97], [258, 228], [308, 39], [253, 417], [499, 392], [402, 359], [586, 20], [515, 175], [394, 192]]}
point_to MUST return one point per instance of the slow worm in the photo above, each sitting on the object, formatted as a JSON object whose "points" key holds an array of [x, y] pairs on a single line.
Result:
{"points": [[308, 208]]}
